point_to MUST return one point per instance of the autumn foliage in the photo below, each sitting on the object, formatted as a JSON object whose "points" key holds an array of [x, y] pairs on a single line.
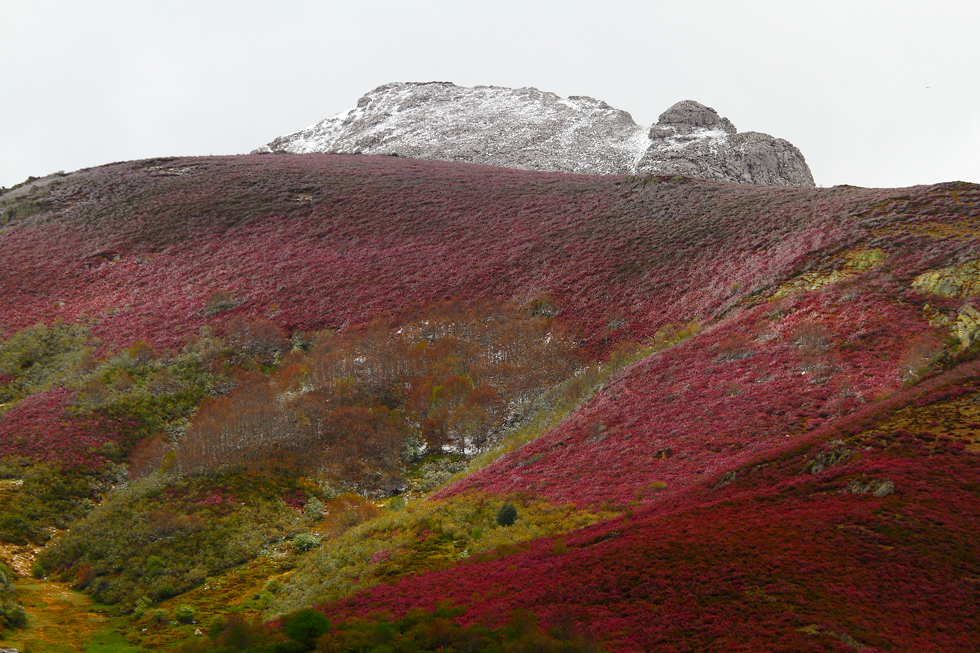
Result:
{"points": [[360, 404]]}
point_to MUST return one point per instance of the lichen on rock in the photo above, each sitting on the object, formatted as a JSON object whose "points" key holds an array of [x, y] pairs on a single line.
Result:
{"points": [[955, 281], [967, 325], [853, 262], [877, 487]]}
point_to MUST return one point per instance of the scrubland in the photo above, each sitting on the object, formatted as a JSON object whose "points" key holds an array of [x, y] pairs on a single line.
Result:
{"points": [[283, 400]]}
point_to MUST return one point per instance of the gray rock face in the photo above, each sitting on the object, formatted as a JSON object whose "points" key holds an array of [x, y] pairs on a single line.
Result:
{"points": [[692, 139], [529, 129]]}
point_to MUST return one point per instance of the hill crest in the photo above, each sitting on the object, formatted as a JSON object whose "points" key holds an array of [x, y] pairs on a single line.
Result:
{"points": [[530, 129]]}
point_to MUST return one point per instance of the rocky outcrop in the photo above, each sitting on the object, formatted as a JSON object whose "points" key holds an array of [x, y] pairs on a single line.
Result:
{"points": [[961, 281], [529, 129], [875, 486], [955, 281], [964, 326], [692, 139]]}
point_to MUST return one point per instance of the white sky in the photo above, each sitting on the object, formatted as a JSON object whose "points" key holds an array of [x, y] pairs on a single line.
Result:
{"points": [[873, 93]]}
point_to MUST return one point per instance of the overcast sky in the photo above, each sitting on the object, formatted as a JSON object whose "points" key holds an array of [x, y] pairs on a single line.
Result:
{"points": [[873, 93]]}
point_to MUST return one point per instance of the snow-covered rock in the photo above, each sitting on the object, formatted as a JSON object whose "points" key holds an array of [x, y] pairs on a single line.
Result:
{"points": [[529, 129]]}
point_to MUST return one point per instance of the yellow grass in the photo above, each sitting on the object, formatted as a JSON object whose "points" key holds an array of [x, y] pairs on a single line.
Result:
{"points": [[62, 620]]}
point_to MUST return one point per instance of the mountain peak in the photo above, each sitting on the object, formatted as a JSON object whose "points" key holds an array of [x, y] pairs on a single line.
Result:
{"points": [[689, 113], [530, 129]]}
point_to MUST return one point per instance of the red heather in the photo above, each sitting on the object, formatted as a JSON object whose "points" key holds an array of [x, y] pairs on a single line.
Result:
{"points": [[43, 427], [730, 543]]}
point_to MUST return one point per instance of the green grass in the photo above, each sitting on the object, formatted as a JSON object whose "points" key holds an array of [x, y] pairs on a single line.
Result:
{"points": [[62, 620], [110, 641], [423, 536]]}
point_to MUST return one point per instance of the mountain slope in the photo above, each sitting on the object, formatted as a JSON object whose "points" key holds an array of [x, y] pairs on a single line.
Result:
{"points": [[532, 130], [800, 474], [780, 559], [322, 241]]}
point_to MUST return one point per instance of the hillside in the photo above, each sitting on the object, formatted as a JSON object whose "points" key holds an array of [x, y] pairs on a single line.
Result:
{"points": [[730, 417], [327, 241], [533, 130]]}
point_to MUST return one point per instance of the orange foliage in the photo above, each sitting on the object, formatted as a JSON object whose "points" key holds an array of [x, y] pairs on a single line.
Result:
{"points": [[147, 456], [347, 409]]}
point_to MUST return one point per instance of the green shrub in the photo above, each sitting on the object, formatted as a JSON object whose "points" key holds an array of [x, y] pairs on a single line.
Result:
{"points": [[507, 515], [13, 615], [159, 616], [265, 599], [142, 604], [216, 626], [164, 592], [305, 542], [306, 626], [37, 570], [396, 503], [313, 510], [185, 614], [161, 536]]}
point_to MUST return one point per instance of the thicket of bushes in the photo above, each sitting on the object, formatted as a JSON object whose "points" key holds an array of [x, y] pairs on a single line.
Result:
{"points": [[159, 537], [46, 498], [361, 405], [68, 404], [71, 417], [419, 630], [12, 614]]}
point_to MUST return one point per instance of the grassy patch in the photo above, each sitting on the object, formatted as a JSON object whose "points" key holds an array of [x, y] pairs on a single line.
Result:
{"points": [[60, 619], [421, 537], [110, 641], [161, 536]]}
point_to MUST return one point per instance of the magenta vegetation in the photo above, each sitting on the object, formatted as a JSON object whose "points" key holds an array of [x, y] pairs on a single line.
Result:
{"points": [[780, 485], [316, 241], [44, 427]]}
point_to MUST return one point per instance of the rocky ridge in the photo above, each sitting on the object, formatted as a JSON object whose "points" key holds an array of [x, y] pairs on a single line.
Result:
{"points": [[533, 130]]}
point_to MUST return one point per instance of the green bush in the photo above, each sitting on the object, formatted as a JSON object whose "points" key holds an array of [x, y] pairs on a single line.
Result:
{"points": [[313, 510], [159, 616], [13, 615], [306, 626], [507, 515], [396, 503], [142, 604], [305, 542], [6, 581], [185, 614]]}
